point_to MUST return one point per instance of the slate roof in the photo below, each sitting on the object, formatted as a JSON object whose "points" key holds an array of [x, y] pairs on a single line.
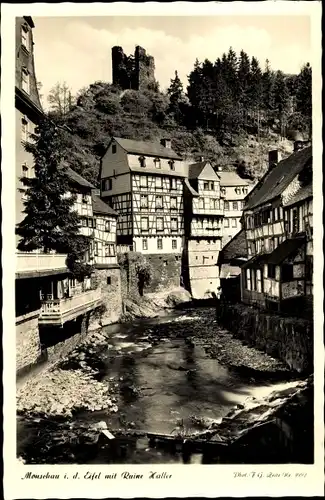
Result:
{"points": [[100, 207], [232, 179], [77, 179], [278, 178], [304, 193], [195, 170], [227, 271], [235, 249], [256, 261], [190, 188], [147, 148], [284, 250]]}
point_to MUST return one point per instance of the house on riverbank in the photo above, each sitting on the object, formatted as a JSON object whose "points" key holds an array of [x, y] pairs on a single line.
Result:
{"points": [[279, 235], [203, 216]]}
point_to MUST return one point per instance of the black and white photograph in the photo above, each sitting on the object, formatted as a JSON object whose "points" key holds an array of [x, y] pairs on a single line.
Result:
{"points": [[163, 216]]}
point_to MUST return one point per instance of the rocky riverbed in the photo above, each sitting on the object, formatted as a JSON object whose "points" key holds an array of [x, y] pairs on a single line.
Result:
{"points": [[180, 371]]}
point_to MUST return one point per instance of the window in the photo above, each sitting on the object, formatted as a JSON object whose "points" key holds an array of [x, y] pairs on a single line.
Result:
{"points": [[96, 248], [108, 226], [160, 223], [216, 204], [171, 164], [271, 271], [237, 190], [223, 191], [24, 129], [244, 190], [84, 198], [25, 80], [90, 222], [174, 225], [212, 186], [201, 203], [234, 205], [114, 149], [143, 181], [173, 202], [206, 186], [295, 220], [109, 280], [309, 269], [172, 184], [226, 223], [234, 223], [174, 244], [159, 202], [226, 205], [275, 214], [144, 244], [144, 201], [158, 183], [144, 224], [159, 244], [142, 161], [258, 280], [287, 272], [25, 37], [157, 162], [248, 279], [106, 184], [84, 222]]}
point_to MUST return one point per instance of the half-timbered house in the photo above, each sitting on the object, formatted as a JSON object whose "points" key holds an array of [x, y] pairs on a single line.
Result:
{"points": [[234, 189], [278, 226], [143, 183], [203, 213], [105, 218]]}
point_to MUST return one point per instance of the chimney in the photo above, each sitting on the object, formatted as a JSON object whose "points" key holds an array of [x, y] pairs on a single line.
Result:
{"points": [[274, 157], [201, 158], [219, 168], [166, 143]]}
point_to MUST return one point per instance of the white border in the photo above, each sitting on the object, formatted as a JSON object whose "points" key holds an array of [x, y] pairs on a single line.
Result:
{"points": [[187, 480]]}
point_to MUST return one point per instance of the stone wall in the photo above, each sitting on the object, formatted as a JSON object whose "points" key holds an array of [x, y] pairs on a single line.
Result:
{"points": [[287, 338], [165, 270], [28, 347], [109, 280]]}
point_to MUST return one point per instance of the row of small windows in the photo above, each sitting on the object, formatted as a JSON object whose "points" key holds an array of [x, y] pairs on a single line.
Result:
{"points": [[91, 222], [234, 222], [238, 190], [107, 184], [209, 203], [159, 224], [144, 202], [157, 162], [159, 244], [109, 249], [264, 216], [233, 205]]}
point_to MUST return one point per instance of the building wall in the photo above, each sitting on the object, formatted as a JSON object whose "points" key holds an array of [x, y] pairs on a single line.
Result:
{"points": [[149, 245], [104, 240], [232, 214], [28, 347], [109, 281]]}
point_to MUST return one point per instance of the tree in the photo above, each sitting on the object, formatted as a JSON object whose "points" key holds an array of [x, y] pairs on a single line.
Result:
{"points": [[281, 100], [304, 94], [60, 99], [175, 91], [244, 69], [50, 222]]}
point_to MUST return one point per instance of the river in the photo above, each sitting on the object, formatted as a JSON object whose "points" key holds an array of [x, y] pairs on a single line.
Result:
{"points": [[167, 383]]}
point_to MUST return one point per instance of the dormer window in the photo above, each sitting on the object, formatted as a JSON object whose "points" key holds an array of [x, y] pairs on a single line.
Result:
{"points": [[157, 162], [171, 164], [142, 161], [25, 37], [25, 80], [114, 149]]}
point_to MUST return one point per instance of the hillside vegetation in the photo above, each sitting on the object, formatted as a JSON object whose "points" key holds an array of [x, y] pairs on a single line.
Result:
{"points": [[232, 113]]}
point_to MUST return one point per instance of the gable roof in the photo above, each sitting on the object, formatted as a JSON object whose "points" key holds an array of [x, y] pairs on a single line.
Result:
{"points": [[100, 207], [232, 179], [278, 178], [147, 148], [77, 179], [235, 249], [304, 193], [202, 169]]}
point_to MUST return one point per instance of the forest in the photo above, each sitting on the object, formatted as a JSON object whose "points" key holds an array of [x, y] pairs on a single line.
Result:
{"points": [[232, 112]]}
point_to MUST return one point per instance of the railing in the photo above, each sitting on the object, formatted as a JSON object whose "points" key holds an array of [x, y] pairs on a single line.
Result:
{"points": [[57, 311], [29, 261]]}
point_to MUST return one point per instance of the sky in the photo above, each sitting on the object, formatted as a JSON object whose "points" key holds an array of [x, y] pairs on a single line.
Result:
{"points": [[77, 50]]}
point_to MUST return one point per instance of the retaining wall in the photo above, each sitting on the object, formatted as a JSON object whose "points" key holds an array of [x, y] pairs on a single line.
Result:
{"points": [[287, 338]]}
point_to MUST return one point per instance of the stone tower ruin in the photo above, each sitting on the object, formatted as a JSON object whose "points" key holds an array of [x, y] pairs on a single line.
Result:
{"points": [[136, 72]]}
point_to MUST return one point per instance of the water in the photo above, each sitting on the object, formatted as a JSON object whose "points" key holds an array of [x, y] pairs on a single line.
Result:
{"points": [[166, 385]]}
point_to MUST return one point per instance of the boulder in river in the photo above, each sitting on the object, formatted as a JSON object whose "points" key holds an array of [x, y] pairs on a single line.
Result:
{"points": [[177, 297]]}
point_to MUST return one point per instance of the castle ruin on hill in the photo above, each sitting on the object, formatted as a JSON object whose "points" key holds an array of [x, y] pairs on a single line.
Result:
{"points": [[136, 72]]}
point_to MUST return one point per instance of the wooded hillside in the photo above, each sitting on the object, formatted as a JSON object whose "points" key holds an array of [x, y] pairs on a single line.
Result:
{"points": [[232, 112]]}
